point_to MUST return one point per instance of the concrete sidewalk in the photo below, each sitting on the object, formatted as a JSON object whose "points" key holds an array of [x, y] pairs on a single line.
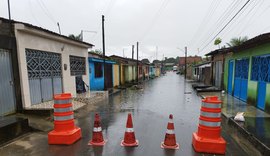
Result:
{"points": [[255, 129]]}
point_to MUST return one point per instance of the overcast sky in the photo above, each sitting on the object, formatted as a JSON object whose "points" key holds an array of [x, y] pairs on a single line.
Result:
{"points": [[162, 27]]}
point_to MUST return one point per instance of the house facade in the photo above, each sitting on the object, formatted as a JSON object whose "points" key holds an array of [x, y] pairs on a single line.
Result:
{"points": [[100, 78], [217, 66], [10, 90], [128, 69], [49, 63], [247, 72]]}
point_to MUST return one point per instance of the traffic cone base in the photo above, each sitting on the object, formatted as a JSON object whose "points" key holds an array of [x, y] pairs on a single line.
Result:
{"points": [[169, 147], [66, 138], [136, 143], [92, 143], [208, 145]]}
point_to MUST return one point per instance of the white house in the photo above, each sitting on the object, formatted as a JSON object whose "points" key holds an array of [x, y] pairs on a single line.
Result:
{"points": [[49, 63]]}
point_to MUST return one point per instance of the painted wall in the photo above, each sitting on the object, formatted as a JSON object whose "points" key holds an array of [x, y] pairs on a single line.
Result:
{"points": [[157, 72], [252, 85], [122, 74], [115, 75], [152, 71], [39, 40], [96, 83]]}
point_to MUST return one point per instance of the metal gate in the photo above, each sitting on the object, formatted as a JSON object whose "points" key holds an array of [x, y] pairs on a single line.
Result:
{"points": [[241, 78], [218, 74], [44, 74], [230, 77], [261, 73], [7, 97]]}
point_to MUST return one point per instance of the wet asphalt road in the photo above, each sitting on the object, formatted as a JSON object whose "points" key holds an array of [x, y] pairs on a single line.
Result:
{"points": [[150, 108]]}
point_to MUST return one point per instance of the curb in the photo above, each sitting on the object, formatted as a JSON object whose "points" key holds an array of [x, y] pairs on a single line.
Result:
{"points": [[261, 147]]}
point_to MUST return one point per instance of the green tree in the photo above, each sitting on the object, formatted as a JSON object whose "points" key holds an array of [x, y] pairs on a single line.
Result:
{"points": [[96, 51], [75, 37], [217, 42], [236, 41]]}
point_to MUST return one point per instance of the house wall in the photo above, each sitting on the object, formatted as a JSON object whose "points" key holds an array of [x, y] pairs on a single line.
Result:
{"points": [[122, 74], [9, 42], [157, 72], [34, 39], [252, 85], [96, 83], [134, 73], [115, 75], [152, 71]]}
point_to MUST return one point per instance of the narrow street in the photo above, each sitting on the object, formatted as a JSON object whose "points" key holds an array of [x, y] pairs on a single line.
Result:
{"points": [[150, 108]]}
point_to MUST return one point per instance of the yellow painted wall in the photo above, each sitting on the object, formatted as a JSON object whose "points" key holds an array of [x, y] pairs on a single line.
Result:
{"points": [[115, 75], [157, 72]]}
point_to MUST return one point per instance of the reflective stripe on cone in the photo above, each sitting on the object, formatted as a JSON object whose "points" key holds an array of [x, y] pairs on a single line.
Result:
{"points": [[209, 123], [63, 118], [210, 114], [208, 105]]}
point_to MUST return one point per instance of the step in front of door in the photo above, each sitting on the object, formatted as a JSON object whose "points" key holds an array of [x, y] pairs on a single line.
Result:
{"points": [[12, 127]]}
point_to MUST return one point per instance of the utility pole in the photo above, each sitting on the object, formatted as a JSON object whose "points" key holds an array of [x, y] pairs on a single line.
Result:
{"points": [[103, 46], [185, 62], [137, 63], [81, 35], [59, 28], [9, 17], [132, 52]]}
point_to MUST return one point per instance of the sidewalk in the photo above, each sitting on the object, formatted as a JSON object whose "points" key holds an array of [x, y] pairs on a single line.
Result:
{"points": [[255, 129]]}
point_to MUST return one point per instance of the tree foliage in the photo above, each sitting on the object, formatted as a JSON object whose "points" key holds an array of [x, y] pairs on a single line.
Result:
{"points": [[97, 51], [75, 37], [217, 41], [236, 41]]}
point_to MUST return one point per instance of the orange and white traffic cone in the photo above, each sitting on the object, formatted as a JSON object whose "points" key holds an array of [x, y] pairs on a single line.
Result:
{"points": [[129, 138], [97, 137], [170, 140]]}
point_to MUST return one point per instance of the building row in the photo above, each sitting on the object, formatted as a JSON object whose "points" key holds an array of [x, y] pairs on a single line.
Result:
{"points": [[242, 71], [36, 63]]}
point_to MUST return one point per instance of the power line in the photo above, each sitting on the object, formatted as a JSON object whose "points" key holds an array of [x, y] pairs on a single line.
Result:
{"points": [[226, 24], [205, 20], [46, 11], [157, 15], [244, 25], [221, 21]]}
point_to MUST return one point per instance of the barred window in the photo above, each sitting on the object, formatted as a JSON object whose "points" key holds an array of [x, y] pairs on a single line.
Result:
{"points": [[77, 65], [260, 68], [98, 69]]}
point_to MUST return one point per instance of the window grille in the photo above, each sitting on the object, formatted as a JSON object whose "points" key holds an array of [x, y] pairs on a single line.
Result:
{"points": [[42, 64], [260, 68], [77, 65]]}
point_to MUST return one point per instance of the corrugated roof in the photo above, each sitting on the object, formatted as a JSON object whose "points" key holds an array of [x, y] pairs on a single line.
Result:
{"points": [[45, 30], [258, 40], [217, 51]]}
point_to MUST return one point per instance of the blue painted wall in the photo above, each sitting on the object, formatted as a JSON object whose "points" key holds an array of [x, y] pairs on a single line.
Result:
{"points": [[95, 83]]}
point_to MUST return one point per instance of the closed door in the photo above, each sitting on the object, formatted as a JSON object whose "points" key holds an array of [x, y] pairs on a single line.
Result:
{"points": [[7, 98], [44, 74], [262, 71], [241, 79], [261, 95], [230, 77], [218, 74], [108, 76]]}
